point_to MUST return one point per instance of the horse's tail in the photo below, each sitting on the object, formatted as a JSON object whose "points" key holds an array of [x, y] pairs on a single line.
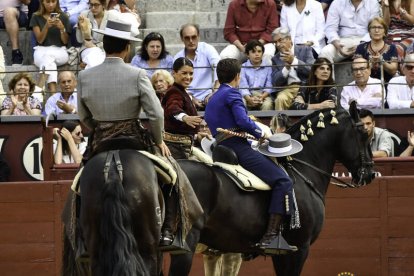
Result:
{"points": [[118, 250]]}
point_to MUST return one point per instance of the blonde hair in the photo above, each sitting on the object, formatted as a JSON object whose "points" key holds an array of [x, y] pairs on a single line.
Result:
{"points": [[167, 76]]}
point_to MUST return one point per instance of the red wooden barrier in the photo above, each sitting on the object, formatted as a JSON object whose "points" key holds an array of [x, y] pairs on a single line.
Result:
{"points": [[368, 231]]}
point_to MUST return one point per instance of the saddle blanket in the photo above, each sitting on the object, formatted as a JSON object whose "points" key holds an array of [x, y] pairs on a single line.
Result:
{"points": [[164, 170], [244, 179]]}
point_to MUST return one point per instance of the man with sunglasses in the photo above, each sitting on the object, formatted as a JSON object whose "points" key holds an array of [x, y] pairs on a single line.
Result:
{"points": [[401, 89], [366, 91]]}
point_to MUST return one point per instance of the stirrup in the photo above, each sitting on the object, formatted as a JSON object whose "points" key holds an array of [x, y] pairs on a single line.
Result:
{"points": [[178, 245], [278, 246]]}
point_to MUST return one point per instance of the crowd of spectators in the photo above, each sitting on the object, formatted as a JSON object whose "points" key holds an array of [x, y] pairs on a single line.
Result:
{"points": [[288, 50]]}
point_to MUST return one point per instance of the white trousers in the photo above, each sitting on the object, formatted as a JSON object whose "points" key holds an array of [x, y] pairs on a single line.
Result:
{"points": [[231, 51], [49, 58], [92, 57], [330, 52]]}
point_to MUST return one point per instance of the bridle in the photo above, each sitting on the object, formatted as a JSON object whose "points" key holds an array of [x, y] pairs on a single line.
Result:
{"points": [[363, 171]]}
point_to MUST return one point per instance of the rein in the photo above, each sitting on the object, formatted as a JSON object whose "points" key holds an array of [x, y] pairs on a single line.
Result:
{"points": [[341, 183]]}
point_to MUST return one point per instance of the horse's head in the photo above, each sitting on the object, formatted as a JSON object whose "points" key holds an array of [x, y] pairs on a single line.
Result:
{"points": [[361, 166]]}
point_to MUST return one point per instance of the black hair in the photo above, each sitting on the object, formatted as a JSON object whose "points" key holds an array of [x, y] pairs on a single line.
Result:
{"points": [[227, 69], [113, 45], [312, 80], [70, 125], [280, 120], [153, 36], [181, 62], [252, 44], [366, 113]]}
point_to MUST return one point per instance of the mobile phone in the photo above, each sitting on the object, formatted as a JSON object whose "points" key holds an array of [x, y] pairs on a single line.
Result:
{"points": [[54, 15]]}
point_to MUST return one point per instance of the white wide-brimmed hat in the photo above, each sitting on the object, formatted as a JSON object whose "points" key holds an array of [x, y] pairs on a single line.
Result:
{"points": [[207, 145], [117, 29], [279, 145]]}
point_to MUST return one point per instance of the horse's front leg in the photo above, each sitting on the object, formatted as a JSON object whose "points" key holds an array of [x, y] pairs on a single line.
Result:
{"points": [[181, 264], [291, 264]]}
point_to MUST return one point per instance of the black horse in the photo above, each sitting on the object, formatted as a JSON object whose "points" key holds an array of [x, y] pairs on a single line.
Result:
{"points": [[120, 216], [234, 220]]}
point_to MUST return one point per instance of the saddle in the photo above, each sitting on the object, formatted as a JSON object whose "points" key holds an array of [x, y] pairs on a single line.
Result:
{"points": [[225, 160], [165, 172]]}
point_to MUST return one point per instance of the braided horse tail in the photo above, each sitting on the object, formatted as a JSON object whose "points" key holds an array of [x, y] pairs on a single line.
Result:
{"points": [[117, 249]]}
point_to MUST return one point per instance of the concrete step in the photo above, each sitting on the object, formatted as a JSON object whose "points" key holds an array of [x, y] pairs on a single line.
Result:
{"points": [[145, 6], [25, 37], [176, 19]]}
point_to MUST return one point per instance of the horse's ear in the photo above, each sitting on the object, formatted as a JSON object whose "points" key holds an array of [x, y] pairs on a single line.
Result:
{"points": [[353, 110]]}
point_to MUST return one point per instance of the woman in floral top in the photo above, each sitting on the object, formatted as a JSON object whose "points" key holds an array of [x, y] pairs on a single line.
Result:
{"points": [[20, 101]]}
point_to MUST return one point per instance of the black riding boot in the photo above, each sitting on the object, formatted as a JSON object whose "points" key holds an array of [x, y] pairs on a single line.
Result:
{"points": [[272, 242], [170, 221]]}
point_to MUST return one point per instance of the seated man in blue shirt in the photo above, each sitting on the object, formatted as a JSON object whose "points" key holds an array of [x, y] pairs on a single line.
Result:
{"points": [[256, 78], [66, 101]]}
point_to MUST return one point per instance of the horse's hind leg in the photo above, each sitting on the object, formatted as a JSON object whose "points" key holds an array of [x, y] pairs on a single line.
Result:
{"points": [[290, 264]]}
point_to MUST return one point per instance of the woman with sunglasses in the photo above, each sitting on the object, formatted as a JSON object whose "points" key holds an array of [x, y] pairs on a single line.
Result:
{"points": [[70, 145], [153, 55], [92, 52], [319, 91]]}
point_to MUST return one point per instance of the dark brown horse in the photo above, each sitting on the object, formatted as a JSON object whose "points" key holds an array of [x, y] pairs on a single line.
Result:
{"points": [[120, 216], [234, 220]]}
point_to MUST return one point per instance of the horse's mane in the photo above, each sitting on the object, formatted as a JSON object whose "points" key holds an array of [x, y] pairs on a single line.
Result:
{"points": [[314, 118]]}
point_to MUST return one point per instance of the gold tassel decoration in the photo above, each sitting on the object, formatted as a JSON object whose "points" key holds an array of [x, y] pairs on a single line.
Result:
{"points": [[321, 123], [303, 136], [310, 131], [334, 120]]}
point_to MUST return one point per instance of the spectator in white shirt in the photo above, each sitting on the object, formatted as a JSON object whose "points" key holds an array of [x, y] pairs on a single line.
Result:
{"points": [[401, 89], [306, 22], [366, 91], [346, 26]]}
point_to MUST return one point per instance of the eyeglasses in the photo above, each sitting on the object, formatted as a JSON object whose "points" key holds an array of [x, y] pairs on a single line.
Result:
{"points": [[361, 69], [376, 28], [94, 5], [280, 40], [409, 67]]}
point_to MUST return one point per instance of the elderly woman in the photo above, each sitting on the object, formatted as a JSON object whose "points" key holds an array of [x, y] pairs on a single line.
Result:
{"points": [[161, 81], [20, 101], [319, 92], [153, 54], [378, 51]]}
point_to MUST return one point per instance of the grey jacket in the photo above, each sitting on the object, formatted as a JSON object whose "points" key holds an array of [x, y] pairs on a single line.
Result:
{"points": [[116, 91]]}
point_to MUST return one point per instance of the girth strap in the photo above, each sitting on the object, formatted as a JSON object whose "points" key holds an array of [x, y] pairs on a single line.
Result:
{"points": [[113, 154]]}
